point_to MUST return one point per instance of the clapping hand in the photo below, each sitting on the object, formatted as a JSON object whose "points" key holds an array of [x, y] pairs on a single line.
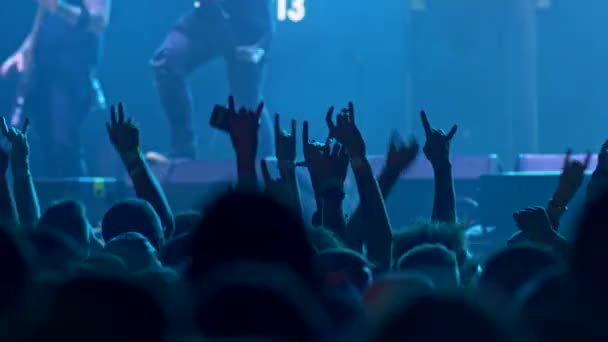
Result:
{"points": [[401, 154], [345, 131], [437, 145], [244, 126], [123, 134]]}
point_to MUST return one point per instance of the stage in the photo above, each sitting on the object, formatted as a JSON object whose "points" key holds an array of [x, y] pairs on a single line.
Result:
{"points": [[486, 197]]}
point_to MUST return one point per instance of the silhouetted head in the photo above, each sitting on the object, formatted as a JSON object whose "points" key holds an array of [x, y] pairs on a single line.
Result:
{"points": [[247, 226], [133, 215], [344, 266], [135, 250], [512, 268], [434, 261], [450, 236], [546, 305], [102, 309], [68, 218], [259, 301], [438, 317], [102, 264], [55, 251]]}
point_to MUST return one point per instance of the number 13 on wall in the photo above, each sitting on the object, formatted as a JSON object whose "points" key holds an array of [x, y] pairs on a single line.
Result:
{"points": [[292, 10]]}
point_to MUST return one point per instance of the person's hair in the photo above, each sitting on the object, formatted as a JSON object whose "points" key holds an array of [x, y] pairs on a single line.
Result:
{"points": [[185, 222], [133, 215], [451, 236], [102, 264], [69, 218], [433, 260], [110, 309], [248, 226], [135, 250], [323, 238], [343, 261], [510, 269]]}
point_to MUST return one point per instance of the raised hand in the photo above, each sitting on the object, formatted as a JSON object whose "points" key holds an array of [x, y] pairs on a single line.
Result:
{"points": [[285, 142], [602, 159], [571, 178], [327, 163], [123, 133], [345, 131], [401, 154], [16, 61], [244, 126], [437, 145], [19, 146]]}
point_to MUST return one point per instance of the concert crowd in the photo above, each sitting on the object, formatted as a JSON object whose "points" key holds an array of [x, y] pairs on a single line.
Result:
{"points": [[249, 266]]}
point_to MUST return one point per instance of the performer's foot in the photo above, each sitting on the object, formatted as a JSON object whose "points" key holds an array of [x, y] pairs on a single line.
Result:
{"points": [[156, 158], [160, 158]]}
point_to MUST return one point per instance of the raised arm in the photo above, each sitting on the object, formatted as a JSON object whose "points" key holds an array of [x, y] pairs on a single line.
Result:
{"points": [[286, 187], [400, 156], [328, 165], [8, 214], [244, 126], [437, 151], [24, 190], [570, 181], [124, 135], [371, 200]]}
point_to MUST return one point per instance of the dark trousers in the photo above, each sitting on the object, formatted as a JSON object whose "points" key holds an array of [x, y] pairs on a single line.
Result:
{"points": [[57, 105], [199, 37]]}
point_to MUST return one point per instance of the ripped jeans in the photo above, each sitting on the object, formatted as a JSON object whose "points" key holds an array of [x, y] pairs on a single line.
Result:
{"points": [[199, 37]]}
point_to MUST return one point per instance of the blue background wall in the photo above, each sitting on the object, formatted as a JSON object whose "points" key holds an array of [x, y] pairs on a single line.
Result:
{"points": [[462, 62]]}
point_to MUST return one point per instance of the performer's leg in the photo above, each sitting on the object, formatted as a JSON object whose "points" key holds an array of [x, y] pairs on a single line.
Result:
{"points": [[69, 103], [192, 43], [246, 84]]}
